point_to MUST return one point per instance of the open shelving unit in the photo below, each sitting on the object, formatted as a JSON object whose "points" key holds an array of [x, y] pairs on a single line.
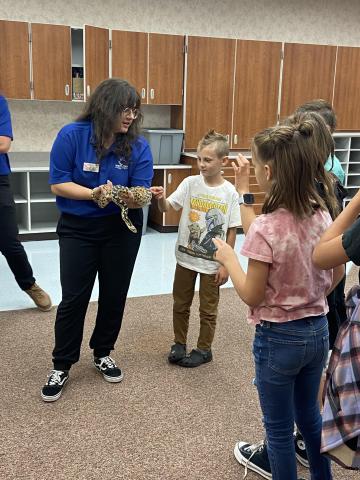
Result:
{"points": [[35, 204], [347, 150]]}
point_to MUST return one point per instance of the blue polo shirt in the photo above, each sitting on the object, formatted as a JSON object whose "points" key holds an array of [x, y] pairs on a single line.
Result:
{"points": [[5, 131], [73, 159]]}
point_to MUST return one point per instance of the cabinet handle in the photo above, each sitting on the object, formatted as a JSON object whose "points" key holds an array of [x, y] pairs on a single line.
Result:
{"points": [[67, 90], [152, 94], [235, 139], [88, 90], [143, 93], [169, 178]]}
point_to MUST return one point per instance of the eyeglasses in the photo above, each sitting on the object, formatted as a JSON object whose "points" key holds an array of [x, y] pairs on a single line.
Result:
{"points": [[131, 111]]}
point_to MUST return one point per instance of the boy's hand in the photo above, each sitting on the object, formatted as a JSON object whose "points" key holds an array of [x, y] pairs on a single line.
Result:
{"points": [[241, 167], [158, 192], [221, 276], [224, 253]]}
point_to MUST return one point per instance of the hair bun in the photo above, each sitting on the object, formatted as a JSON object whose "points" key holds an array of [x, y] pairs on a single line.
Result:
{"points": [[306, 128]]}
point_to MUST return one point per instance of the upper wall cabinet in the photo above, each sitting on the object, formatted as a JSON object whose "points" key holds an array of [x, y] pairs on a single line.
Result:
{"points": [[232, 87], [130, 59], [257, 78], [14, 59], [347, 91], [153, 63], [166, 69], [209, 87], [51, 58], [96, 57], [308, 73]]}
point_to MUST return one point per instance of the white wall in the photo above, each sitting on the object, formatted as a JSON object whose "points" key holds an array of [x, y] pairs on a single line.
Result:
{"points": [[306, 21]]}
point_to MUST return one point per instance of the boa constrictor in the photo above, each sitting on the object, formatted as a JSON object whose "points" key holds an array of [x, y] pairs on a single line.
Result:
{"points": [[142, 196]]}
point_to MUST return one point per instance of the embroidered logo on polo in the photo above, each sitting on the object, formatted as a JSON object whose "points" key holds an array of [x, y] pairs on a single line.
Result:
{"points": [[121, 164]]}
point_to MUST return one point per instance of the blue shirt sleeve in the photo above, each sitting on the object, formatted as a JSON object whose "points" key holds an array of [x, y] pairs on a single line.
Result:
{"points": [[62, 160], [5, 119], [141, 168]]}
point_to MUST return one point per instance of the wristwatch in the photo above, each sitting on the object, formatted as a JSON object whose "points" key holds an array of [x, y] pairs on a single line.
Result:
{"points": [[246, 199]]}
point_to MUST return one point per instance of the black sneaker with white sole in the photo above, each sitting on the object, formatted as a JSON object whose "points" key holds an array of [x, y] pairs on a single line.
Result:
{"points": [[52, 389], [253, 457], [108, 368], [300, 450]]}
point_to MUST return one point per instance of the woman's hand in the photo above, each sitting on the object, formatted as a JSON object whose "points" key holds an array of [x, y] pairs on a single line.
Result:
{"points": [[224, 253], [241, 167], [158, 192], [221, 276], [101, 195]]}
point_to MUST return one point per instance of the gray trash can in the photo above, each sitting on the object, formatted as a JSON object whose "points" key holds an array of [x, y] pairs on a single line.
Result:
{"points": [[165, 144]]}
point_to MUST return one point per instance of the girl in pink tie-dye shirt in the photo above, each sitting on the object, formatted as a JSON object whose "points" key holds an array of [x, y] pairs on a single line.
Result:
{"points": [[286, 293]]}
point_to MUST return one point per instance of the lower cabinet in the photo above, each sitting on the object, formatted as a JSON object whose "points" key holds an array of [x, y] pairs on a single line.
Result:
{"points": [[169, 178]]}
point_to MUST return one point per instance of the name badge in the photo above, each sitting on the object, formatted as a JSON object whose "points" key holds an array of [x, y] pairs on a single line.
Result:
{"points": [[91, 167]]}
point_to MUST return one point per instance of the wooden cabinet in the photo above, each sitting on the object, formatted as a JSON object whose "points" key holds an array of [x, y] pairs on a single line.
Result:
{"points": [[169, 178], [209, 87], [257, 78], [232, 87], [166, 69], [14, 59], [347, 88], [51, 59], [129, 58], [153, 63], [96, 57], [308, 73]]}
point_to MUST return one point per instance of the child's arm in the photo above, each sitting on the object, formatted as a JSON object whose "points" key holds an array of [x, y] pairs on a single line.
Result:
{"points": [[329, 252], [158, 193], [242, 184], [250, 286], [222, 275]]}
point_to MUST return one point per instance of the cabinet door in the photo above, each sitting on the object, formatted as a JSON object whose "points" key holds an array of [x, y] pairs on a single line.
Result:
{"points": [[209, 87], [51, 57], [173, 178], [166, 69], [129, 59], [257, 79], [347, 91], [14, 54], [308, 73], [96, 57]]}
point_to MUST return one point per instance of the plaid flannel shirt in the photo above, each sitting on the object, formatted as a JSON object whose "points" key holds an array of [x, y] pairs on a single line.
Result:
{"points": [[341, 414]]}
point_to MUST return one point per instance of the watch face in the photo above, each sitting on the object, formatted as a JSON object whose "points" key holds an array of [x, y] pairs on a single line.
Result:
{"points": [[249, 198]]}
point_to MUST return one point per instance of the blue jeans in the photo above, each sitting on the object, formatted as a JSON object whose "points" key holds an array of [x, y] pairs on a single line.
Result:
{"points": [[289, 360]]}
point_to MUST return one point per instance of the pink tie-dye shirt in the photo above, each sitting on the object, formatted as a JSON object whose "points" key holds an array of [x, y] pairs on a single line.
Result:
{"points": [[295, 288]]}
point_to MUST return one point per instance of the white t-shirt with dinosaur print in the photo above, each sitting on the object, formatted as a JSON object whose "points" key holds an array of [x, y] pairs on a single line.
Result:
{"points": [[207, 213]]}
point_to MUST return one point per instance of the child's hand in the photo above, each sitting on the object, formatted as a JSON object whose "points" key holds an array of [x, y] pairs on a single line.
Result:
{"points": [[224, 253], [158, 192], [241, 167], [221, 276]]}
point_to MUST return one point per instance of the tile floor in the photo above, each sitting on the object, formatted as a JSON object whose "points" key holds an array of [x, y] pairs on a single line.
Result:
{"points": [[153, 273]]}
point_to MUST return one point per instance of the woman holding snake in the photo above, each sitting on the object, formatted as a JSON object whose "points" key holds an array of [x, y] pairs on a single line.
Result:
{"points": [[92, 161]]}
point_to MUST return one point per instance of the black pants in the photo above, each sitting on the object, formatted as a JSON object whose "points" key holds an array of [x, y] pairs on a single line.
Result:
{"points": [[337, 311], [90, 246], [10, 245]]}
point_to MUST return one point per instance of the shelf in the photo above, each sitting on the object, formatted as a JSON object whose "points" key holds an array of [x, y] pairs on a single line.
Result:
{"points": [[19, 198], [42, 197], [42, 227]]}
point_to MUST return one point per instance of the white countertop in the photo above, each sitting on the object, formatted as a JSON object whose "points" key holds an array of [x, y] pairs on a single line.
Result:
{"points": [[39, 162]]}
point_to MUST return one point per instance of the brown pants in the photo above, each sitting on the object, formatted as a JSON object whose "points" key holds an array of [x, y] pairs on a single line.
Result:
{"points": [[183, 293]]}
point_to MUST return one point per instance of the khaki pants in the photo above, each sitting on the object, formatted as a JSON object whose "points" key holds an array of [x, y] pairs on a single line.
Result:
{"points": [[183, 293]]}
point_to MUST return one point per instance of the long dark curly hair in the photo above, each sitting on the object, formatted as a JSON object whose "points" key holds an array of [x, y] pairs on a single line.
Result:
{"points": [[103, 109]]}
